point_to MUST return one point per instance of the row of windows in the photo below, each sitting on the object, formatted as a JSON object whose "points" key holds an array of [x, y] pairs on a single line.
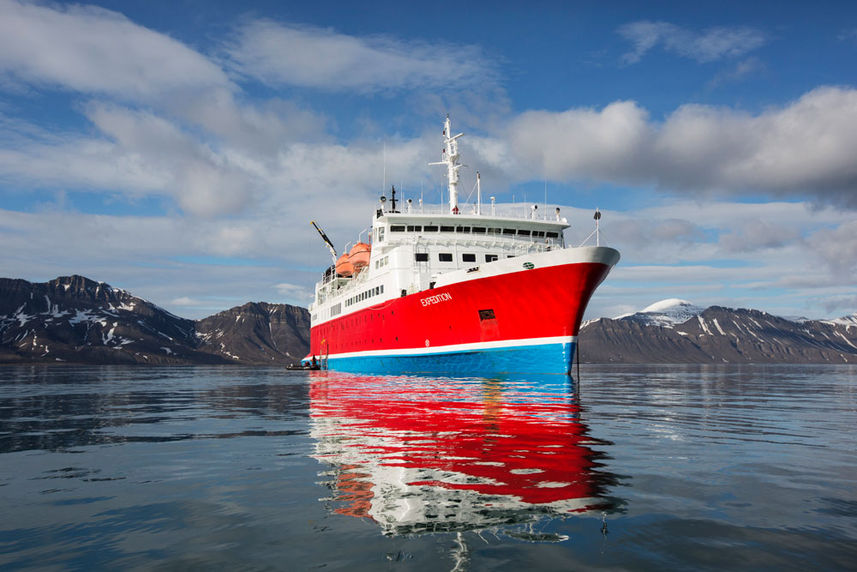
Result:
{"points": [[474, 230], [364, 295], [447, 257], [380, 263]]}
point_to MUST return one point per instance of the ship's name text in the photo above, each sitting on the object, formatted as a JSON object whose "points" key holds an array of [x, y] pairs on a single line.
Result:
{"points": [[437, 299]]}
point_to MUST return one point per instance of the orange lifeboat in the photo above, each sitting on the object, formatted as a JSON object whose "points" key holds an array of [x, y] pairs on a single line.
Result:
{"points": [[344, 267], [359, 256]]}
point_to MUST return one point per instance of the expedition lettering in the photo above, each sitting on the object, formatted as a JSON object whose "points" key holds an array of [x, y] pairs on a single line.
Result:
{"points": [[437, 299]]}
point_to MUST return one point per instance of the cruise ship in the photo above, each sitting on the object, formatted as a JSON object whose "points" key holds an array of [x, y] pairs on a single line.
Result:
{"points": [[444, 291]]}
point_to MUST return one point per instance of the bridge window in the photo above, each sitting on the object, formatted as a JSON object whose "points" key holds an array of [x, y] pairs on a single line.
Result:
{"points": [[445, 257], [421, 256], [468, 257]]}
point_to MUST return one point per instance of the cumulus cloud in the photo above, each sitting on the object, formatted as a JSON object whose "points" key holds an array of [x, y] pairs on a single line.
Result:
{"points": [[291, 55], [837, 248], [841, 303], [706, 46], [93, 50], [805, 147], [583, 143], [757, 234], [295, 293], [737, 254], [102, 54], [138, 153]]}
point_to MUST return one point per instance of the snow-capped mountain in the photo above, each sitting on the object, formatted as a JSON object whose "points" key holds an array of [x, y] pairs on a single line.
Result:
{"points": [[75, 319], [666, 313], [676, 331], [846, 321]]}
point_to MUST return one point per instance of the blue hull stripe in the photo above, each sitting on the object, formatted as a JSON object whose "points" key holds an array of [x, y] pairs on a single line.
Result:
{"points": [[552, 358]]}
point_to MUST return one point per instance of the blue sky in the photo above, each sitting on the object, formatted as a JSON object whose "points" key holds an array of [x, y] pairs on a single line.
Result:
{"points": [[180, 149]]}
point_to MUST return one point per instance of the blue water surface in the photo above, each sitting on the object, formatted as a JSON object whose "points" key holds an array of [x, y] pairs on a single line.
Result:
{"points": [[627, 467]]}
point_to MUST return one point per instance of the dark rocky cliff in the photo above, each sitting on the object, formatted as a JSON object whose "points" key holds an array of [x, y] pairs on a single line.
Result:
{"points": [[257, 332], [75, 319]]}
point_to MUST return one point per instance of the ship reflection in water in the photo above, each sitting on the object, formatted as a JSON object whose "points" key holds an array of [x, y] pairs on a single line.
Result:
{"points": [[427, 455]]}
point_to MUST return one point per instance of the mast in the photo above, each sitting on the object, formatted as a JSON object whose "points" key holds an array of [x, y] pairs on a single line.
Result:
{"points": [[478, 194], [450, 158]]}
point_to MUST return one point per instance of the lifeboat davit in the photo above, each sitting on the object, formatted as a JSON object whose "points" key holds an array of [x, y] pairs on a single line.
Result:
{"points": [[359, 256], [344, 267]]}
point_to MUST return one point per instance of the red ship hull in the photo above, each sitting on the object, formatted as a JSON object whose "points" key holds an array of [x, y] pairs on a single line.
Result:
{"points": [[519, 321]]}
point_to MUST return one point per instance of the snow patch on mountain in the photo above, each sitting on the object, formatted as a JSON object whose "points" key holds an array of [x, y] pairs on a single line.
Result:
{"points": [[666, 313], [847, 321]]}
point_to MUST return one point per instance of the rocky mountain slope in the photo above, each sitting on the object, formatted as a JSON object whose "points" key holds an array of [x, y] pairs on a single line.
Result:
{"points": [[257, 332], [75, 319], [675, 331]]}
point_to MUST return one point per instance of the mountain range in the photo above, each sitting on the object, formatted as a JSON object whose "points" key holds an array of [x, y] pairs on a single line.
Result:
{"points": [[78, 320], [676, 331], [75, 319]]}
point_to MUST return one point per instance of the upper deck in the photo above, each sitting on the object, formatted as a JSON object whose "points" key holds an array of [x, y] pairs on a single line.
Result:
{"points": [[393, 228]]}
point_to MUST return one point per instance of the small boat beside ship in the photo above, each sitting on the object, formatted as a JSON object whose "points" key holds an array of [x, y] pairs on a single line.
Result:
{"points": [[440, 291]]}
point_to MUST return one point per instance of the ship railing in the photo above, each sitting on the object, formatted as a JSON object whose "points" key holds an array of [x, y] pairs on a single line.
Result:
{"points": [[518, 211], [341, 286], [520, 246], [489, 242]]}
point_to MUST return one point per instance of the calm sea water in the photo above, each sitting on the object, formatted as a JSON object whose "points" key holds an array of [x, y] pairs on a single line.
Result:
{"points": [[626, 468]]}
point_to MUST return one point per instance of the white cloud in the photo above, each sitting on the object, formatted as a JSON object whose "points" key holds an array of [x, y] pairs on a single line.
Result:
{"points": [[295, 293], [745, 68], [709, 45], [305, 56], [608, 144], [139, 153], [845, 303], [805, 147], [784, 258], [93, 50], [837, 248]]}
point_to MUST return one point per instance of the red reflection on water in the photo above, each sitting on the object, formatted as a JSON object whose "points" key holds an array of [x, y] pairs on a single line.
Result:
{"points": [[396, 442]]}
